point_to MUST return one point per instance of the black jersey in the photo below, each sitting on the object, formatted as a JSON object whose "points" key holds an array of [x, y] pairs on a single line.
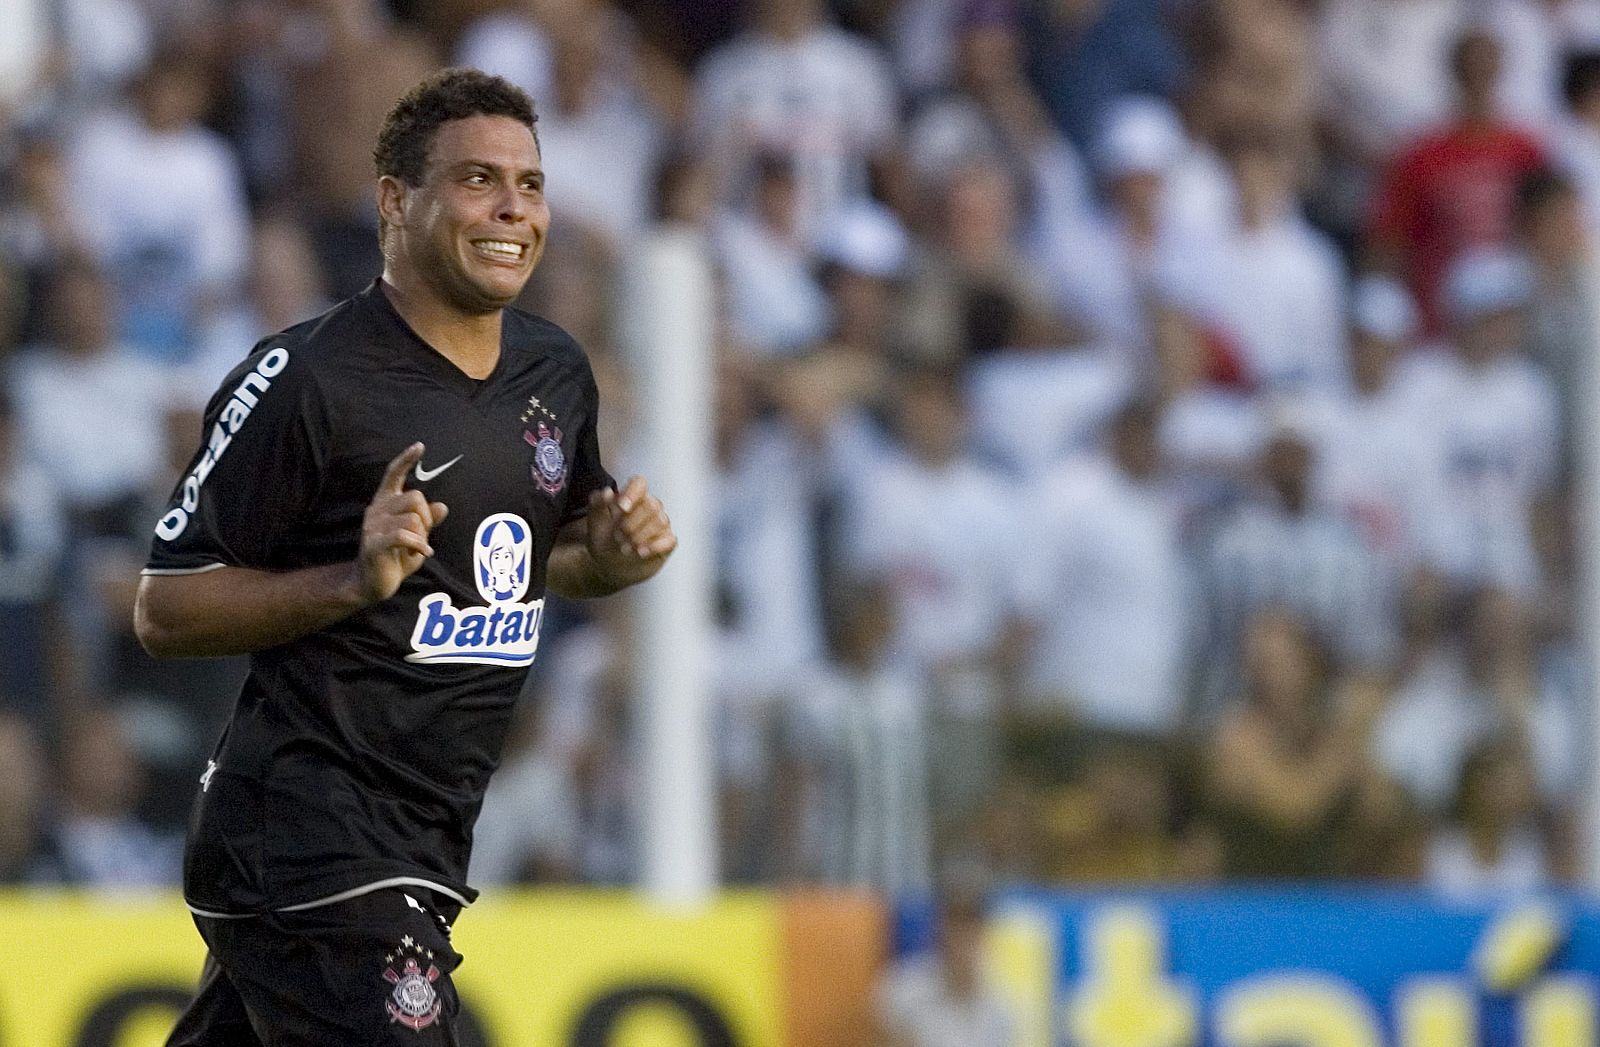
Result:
{"points": [[357, 756]]}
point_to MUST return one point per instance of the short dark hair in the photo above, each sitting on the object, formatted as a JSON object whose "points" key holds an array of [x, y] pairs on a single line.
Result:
{"points": [[449, 94]]}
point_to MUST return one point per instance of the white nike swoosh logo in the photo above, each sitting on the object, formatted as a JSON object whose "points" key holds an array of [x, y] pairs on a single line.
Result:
{"points": [[429, 474]]}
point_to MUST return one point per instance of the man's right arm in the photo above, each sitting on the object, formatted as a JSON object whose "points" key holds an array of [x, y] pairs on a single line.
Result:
{"points": [[236, 610]]}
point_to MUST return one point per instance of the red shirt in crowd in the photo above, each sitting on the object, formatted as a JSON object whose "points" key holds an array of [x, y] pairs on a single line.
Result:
{"points": [[1450, 191]]}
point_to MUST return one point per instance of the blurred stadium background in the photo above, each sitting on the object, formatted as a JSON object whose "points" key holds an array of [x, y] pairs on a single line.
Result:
{"points": [[1152, 472]]}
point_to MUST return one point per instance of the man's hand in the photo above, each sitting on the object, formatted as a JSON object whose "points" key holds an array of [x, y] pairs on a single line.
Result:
{"points": [[394, 531], [629, 536]]}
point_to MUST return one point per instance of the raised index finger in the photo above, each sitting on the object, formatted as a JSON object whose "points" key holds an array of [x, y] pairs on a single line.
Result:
{"points": [[632, 494], [394, 477]]}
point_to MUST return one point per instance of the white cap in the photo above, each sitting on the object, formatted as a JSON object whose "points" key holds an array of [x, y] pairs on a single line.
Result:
{"points": [[1381, 308], [866, 238], [1139, 134], [1487, 281]]}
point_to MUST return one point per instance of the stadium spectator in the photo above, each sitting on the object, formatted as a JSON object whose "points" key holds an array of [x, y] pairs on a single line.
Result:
{"points": [[861, 259], [953, 589], [944, 997], [599, 136], [1379, 463], [101, 841], [774, 304], [1281, 550], [510, 40], [509, 843], [765, 496], [1110, 592], [855, 792], [1287, 764], [1103, 270], [1270, 283], [37, 230], [794, 85], [285, 286], [159, 200], [1122, 824], [348, 60], [973, 276], [1495, 680], [1492, 844], [1501, 454], [1082, 56], [90, 408], [33, 539], [1212, 429], [992, 111], [101, 47], [1385, 70], [27, 852], [1452, 189], [1037, 400]]}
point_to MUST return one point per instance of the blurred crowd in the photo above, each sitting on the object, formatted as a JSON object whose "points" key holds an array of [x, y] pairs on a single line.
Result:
{"points": [[1148, 430]]}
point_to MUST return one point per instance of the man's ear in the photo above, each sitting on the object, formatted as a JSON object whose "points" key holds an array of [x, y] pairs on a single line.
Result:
{"points": [[392, 201]]}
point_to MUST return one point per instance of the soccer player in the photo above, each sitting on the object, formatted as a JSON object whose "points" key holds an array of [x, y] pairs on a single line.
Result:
{"points": [[381, 499]]}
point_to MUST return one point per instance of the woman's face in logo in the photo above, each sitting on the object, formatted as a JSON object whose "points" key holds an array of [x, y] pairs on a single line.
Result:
{"points": [[502, 567]]}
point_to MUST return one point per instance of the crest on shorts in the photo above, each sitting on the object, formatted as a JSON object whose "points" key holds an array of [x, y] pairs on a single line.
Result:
{"points": [[549, 460], [413, 1002]]}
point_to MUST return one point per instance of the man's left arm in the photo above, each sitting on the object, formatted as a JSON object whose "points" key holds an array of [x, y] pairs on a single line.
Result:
{"points": [[624, 539]]}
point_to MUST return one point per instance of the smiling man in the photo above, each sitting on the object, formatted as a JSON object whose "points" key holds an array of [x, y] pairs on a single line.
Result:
{"points": [[381, 498]]}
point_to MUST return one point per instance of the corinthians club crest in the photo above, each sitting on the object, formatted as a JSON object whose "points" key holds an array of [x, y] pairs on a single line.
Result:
{"points": [[549, 461], [414, 1002]]}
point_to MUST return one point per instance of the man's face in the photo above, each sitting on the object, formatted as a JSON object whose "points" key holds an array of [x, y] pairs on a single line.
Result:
{"points": [[475, 228]]}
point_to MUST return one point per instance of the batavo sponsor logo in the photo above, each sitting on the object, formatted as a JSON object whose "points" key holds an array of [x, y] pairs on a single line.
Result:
{"points": [[1303, 969], [506, 631], [234, 413]]}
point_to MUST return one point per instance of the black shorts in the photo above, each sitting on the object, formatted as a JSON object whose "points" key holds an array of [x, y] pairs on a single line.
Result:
{"points": [[371, 971]]}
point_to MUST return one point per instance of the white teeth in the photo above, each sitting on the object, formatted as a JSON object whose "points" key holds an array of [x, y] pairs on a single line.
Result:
{"points": [[502, 248]]}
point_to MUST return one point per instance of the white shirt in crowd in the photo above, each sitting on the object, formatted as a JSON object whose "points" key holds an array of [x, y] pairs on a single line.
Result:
{"points": [[96, 424], [1109, 593], [600, 164], [510, 44], [164, 213], [1034, 408], [1378, 463], [1385, 66], [767, 550], [1439, 714], [1100, 280], [915, 1005], [1279, 292], [774, 303], [945, 540], [529, 815], [1497, 427], [827, 100]]}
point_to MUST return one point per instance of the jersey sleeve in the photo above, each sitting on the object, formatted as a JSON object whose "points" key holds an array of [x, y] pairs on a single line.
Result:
{"points": [[264, 447], [588, 474]]}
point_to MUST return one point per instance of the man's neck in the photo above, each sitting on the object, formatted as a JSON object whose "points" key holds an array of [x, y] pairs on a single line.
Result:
{"points": [[471, 341]]}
